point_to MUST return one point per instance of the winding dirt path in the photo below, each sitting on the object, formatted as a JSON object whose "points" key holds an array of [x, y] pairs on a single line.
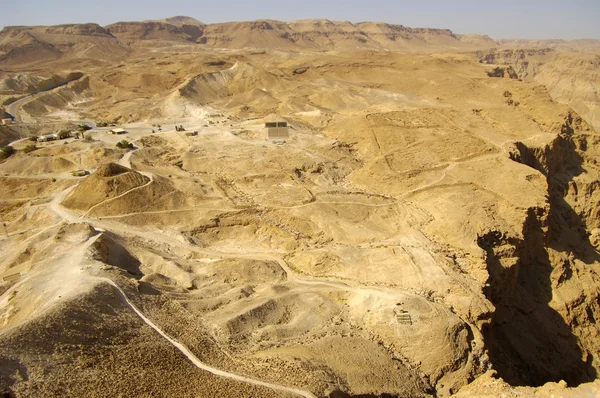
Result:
{"points": [[121, 195], [68, 216], [194, 359]]}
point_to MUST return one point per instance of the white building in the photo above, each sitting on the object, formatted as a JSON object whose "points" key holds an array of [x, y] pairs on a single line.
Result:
{"points": [[118, 131], [47, 137], [7, 121]]}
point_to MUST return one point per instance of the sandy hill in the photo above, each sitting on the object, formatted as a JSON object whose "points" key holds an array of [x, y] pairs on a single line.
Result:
{"points": [[22, 48], [108, 182], [154, 30], [28, 84], [181, 21], [22, 44]]}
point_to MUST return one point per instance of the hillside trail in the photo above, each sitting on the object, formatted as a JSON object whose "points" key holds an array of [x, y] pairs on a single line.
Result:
{"points": [[149, 175], [126, 162], [178, 241], [301, 280], [103, 226], [194, 359], [71, 217], [175, 240]]}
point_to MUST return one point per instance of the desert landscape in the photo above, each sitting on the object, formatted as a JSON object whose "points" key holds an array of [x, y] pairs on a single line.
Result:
{"points": [[308, 208]]}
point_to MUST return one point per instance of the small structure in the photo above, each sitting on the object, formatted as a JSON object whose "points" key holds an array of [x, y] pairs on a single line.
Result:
{"points": [[79, 173], [118, 131], [402, 316], [179, 128], [7, 121], [277, 127], [47, 137], [12, 277]]}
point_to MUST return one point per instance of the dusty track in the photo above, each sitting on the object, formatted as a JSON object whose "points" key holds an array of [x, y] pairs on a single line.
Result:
{"points": [[194, 359], [66, 215]]}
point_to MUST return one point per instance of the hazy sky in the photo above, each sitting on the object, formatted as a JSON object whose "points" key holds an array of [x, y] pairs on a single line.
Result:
{"points": [[543, 19]]}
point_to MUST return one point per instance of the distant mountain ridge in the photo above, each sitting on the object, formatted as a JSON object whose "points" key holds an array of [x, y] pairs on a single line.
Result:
{"points": [[25, 45], [318, 34]]}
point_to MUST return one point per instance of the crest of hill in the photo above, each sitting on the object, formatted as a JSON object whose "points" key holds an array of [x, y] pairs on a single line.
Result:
{"points": [[180, 21], [58, 34], [34, 44], [111, 170], [155, 30], [213, 86], [109, 181]]}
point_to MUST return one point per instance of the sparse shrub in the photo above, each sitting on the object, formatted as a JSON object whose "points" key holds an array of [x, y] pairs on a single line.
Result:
{"points": [[102, 124], [64, 134], [87, 137], [124, 144], [83, 127], [507, 94], [54, 180], [30, 148], [33, 138], [496, 72], [6, 152]]}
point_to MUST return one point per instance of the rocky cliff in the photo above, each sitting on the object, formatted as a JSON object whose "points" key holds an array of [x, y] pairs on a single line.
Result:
{"points": [[543, 284], [555, 70]]}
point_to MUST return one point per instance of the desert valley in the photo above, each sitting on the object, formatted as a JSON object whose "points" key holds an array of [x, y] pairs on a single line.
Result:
{"points": [[307, 208]]}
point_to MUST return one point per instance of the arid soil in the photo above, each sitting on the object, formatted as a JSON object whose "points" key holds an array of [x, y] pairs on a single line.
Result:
{"points": [[430, 227]]}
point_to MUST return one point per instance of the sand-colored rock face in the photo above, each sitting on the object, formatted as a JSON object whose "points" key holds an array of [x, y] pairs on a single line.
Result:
{"points": [[430, 226], [552, 69]]}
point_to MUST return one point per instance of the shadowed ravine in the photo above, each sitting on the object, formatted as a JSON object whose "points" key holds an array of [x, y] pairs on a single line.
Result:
{"points": [[529, 342]]}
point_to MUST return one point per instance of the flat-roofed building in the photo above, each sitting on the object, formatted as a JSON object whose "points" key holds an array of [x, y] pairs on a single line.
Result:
{"points": [[276, 127]]}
